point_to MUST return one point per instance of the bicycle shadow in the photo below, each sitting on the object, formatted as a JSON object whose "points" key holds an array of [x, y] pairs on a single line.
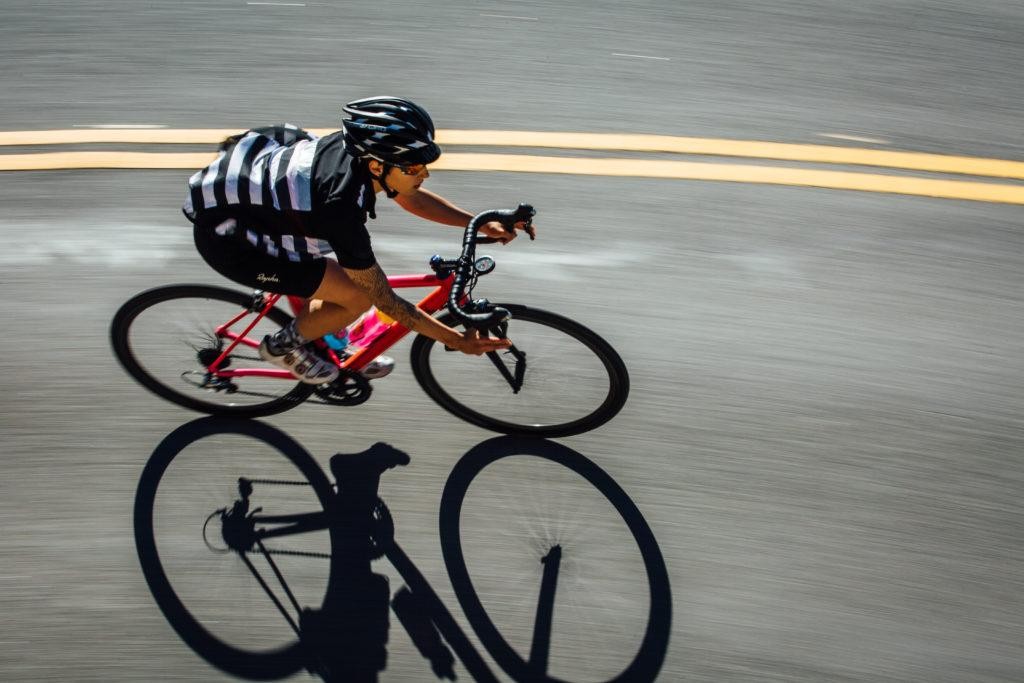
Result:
{"points": [[648, 660], [345, 638]]}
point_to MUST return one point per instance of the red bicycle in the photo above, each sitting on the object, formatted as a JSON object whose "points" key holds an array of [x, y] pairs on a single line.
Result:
{"points": [[195, 345]]}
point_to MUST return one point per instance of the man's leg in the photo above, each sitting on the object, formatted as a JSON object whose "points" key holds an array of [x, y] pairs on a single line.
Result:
{"points": [[336, 303]]}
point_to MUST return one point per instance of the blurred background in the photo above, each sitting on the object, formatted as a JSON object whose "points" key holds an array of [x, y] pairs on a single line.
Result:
{"points": [[824, 432]]}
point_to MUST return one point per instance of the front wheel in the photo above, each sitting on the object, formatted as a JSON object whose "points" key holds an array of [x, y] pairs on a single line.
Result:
{"points": [[558, 379]]}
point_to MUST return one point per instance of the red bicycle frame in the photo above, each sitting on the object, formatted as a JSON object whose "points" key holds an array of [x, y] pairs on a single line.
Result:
{"points": [[391, 334]]}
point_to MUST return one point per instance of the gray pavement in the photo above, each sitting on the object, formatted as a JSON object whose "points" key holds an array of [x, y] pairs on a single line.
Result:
{"points": [[824, 432]]}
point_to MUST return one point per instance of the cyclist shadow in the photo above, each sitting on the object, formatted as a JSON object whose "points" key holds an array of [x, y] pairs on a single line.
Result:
{"points": [[345, 638]]}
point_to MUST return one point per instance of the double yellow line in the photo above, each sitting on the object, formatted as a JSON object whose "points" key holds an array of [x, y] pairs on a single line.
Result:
{"points": [[1009, 191]]}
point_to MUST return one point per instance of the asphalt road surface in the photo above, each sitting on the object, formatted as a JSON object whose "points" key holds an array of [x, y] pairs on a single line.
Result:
{"points": [[824, 433]]}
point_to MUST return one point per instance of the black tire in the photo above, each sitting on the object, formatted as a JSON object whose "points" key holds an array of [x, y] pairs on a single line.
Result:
{"points": [[575, 380], [161, 350], [214, 617]]}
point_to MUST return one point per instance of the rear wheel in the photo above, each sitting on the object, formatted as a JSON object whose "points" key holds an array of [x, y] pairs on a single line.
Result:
{"points": [[165, 338], [572, 380]]}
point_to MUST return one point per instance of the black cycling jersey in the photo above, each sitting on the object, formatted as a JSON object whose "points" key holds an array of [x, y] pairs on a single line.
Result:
{"points": [[295, 196]]}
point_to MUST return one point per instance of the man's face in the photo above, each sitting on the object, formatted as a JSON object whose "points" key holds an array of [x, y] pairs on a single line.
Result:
{"points": [[407, 179], [402, 179]]}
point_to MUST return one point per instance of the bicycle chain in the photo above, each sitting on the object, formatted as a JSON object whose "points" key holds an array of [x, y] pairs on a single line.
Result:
{"points": [[296, 553], [240, 392]]}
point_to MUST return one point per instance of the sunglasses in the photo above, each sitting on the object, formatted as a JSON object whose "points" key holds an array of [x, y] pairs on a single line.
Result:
{"points": [[414, 169]]}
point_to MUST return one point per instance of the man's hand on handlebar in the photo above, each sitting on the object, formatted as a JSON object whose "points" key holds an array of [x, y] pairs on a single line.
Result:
{"points": [[472, 343], [497, 225], [496, 231]]}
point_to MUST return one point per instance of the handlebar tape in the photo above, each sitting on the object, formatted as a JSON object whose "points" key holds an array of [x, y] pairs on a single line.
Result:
{"points": [[463, 273]]}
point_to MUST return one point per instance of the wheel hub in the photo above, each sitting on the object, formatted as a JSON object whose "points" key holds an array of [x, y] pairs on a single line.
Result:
{"points": [[207, 356]]}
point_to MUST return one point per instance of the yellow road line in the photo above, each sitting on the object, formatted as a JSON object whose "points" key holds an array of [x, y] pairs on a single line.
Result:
{"points": [[754, 149], [53, 161], [738, 173], [936, 163], [637, 168], [188, 136]]}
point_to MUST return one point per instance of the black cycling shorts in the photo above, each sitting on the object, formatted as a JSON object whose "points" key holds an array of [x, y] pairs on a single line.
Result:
{"points": [[236, 259]]}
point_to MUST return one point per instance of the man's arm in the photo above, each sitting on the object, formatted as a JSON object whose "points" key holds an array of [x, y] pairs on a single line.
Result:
{"points": [[375, 284], [432, 207]]}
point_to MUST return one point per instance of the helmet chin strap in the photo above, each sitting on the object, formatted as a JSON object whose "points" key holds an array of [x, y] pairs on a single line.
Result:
{"points": [[391, 194]]}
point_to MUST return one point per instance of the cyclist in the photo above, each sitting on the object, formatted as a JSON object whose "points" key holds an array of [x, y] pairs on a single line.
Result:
{"points": [[277, 199]]}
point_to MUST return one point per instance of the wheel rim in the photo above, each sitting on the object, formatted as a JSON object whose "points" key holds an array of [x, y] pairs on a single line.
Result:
{"points": [[573, 380], [167, 337]]}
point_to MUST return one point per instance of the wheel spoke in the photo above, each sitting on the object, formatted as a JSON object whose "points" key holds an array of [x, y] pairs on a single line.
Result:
{"points": [[167, 338]]}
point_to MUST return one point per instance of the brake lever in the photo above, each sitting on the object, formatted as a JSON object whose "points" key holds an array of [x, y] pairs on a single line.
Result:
{"points": [[524, 214]]}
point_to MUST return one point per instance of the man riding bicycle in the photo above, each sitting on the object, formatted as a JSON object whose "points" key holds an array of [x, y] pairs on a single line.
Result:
{"points": [[277, 199]]}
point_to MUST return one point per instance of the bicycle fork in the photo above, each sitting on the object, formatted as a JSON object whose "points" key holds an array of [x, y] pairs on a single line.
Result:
{"points": [[517, 374]]}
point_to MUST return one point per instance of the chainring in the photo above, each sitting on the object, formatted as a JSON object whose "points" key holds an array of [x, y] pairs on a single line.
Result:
{"points": [[349, 389]]}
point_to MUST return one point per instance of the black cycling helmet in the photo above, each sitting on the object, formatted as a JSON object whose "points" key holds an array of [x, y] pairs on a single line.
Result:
{"points": [[392, 130]]}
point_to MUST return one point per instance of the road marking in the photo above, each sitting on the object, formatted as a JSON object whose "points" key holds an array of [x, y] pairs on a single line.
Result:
{"points": [[825, 154], [620, 54], [93, 240], [53, 161], [854, 138], [279, 4], [105, 134], [636, 168], [936, 163], [551, 266], [739, 173], [505, 16], [119, 126], [339, 39]]}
